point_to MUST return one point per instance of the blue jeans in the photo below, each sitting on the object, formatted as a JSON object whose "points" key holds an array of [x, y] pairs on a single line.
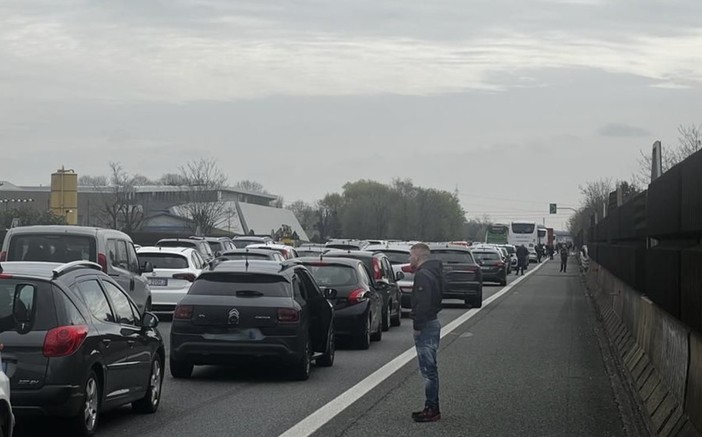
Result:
{"points": [[427, 344]]}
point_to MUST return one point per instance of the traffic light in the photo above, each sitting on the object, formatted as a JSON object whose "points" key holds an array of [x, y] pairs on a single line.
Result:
{"points": [[552, 208]]}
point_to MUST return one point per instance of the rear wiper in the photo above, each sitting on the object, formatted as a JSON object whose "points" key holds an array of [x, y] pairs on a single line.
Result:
{"points": [[252, 293]]}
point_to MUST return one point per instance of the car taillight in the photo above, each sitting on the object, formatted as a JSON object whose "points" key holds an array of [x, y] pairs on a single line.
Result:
{"points": [[357, 296], [183, 312], [473, 269], [377, 272], [64, 340], [185, 276], [407, 269], [288, 315], [102, 260], [3, 256], [5, 276], [500, 264]]}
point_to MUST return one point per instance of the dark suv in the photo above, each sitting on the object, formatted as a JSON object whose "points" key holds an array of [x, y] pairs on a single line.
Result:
{"points": [[384, 280], [75, 343], [253, 310], [463, 278]]}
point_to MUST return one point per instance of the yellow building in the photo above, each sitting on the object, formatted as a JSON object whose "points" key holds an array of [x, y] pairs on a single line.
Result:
{"points": [[64, 195]]}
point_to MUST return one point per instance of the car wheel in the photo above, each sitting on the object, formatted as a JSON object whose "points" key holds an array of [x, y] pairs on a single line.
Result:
{"points": [[396, 320], [386, 317], [181, 369], [149, 403], [327, 360], [85, 423], [364, 339], [301, 369], [377, 335], [503, 282]]}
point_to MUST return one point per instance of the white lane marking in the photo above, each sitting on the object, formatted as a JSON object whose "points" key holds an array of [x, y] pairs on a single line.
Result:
{"points": [[321, 417]]}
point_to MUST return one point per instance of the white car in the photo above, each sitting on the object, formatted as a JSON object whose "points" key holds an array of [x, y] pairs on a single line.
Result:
{"points": [[7, 419], [285, 250], [175, 269]]}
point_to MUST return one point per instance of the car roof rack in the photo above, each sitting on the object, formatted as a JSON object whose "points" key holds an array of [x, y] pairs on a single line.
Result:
{"points": [[75, 265]]}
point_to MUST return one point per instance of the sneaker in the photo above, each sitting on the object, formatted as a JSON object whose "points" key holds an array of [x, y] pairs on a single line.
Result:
{"points": [[428, 415], [416, 414]]}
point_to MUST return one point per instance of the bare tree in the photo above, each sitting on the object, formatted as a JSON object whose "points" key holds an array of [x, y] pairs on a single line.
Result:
{"points": [[92, 181], [248, 185], [595, 195], [118, 209], [203, 181], [689, 141]]}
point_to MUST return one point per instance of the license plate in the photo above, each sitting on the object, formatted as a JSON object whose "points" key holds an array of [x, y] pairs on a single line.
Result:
{"points": [[158, 282]]}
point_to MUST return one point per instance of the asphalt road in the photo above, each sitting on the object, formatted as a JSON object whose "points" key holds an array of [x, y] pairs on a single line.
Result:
{"points": [[260, 401]]}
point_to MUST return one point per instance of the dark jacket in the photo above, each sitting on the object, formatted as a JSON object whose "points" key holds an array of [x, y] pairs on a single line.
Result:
{"points": [[522, 253], [426, 293]]}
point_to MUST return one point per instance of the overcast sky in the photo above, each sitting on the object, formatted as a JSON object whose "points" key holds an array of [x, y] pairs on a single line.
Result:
{"points": [[515, 103]]}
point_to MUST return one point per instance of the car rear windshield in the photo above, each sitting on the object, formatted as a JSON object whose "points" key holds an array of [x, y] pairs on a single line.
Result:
{"points": [[452, 256], [164, 260], [343, 246], [510, 250], [33, 305], [215, 246], [486, 255], [396, 257], [233, 284], [333, 275], [309, 252], [61, 248], [241, 256], [240, 244], [176, 244]]}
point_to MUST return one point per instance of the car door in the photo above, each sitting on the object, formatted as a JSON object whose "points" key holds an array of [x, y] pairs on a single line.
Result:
{"points": [[376, 299], [389, 274], [321, 311], [137, 356], [113, 345]]}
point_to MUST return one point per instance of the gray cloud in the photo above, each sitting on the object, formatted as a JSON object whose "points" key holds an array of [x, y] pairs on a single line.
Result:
{"points": [[622, 130]]}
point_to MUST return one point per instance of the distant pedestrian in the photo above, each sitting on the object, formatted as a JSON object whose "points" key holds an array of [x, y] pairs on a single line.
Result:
{"points": [[564, 258], [426, 303], [522, 259]]}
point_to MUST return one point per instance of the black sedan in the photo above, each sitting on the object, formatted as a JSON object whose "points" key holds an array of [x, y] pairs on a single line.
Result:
{"points": [[243, 310], [491, 264], [357, 306]]}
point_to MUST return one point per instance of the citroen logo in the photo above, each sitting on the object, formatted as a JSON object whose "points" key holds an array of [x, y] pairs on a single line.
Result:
{"points": [[233, 317]]}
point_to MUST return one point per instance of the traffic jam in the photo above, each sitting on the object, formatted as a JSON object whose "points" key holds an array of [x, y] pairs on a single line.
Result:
{"points": [[81, 309]]}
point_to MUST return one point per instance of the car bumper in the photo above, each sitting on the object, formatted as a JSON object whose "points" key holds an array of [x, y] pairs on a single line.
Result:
{"points": [[462, 290], [50, 400], [166, 299], [494, 276], [217, 349], [351, 320]]}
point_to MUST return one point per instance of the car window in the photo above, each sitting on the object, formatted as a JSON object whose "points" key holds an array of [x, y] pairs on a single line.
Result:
{"points": [[331, 275], [387, 270], [164, 260], [118, 254], [132, 258], [396, 257], [195, 260], [234, 284], [309, 283], [299, 289], [25, 303], [95, 299], [60, 248], [364, 275], [487, 255], [123, 310], [452, 256], [71, 313]]}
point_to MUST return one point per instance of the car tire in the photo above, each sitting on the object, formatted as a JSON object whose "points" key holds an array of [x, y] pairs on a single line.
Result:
{"points": [[301, 368], [364, 339], [180, 369], [478, 300], [503, 282], [377, 335], [327, 359], [386, 317], [396, 320], [151, 400], [86, 422]]}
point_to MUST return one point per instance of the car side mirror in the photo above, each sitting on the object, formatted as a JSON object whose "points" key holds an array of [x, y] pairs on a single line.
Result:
{"points": [[218, 254], [146, 267], [330, 293], [399, 276], [149, 320]]}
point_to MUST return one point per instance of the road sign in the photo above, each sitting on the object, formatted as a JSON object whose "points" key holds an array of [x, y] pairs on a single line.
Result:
{"points": [[552, 208]]}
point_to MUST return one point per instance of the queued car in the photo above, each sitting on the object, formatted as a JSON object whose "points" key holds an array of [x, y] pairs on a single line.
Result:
{"points": [[463, 278], [345, 244], [398, 255], [113, 250], [243, 310], [357, 305], [241, 242], [311, 249], [492, 264], [78, 344], [198, 243], [219, 244], [285, 250], [250, 254], [174, 270], [384, 280]]}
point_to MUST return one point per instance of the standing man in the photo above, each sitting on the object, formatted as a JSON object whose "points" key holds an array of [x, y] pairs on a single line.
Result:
{"points": [[522, 259], [426, 303], [564, 258]]}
